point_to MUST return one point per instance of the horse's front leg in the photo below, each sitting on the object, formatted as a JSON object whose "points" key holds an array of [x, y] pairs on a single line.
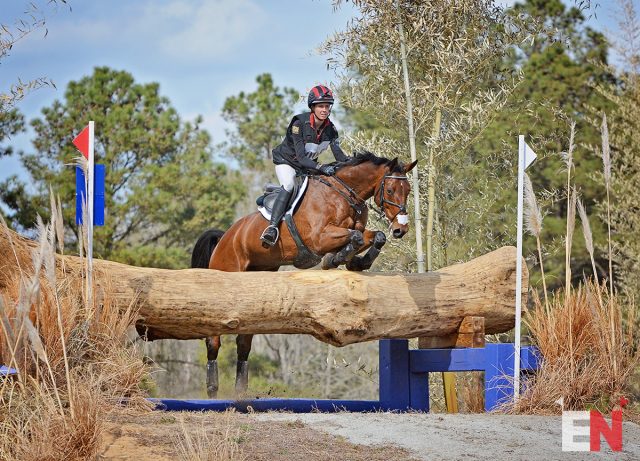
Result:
{"points": [[375, 240], [353, 244]]}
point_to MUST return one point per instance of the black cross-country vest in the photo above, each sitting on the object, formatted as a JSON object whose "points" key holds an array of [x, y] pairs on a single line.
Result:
{"points": [[302, 140]]}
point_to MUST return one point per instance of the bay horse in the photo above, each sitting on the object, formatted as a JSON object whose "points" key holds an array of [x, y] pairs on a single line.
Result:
{"points": [[331, 221]]}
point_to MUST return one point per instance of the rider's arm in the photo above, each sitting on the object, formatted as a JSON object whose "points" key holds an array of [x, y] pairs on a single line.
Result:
{"points": [[298, 145], [339, 155], [337, 151]]}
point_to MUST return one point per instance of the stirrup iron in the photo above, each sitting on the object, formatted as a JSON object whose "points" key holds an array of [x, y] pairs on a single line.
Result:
{"points": [[264, 239]]}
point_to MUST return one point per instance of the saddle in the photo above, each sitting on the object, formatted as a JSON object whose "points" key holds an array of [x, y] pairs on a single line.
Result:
{"points": [[266, 200], [305, 257]]}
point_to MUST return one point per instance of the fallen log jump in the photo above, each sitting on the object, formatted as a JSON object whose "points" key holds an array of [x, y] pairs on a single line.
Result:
{"points": [[354, 306]]}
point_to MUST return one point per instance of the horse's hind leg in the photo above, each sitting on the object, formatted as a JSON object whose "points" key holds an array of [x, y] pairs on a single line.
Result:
{"points": [[377, 241], [331, 261], [242, 369], [213, 346]]}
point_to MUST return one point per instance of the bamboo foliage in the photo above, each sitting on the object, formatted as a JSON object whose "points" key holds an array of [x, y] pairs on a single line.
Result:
{"points": [[619, 151]]}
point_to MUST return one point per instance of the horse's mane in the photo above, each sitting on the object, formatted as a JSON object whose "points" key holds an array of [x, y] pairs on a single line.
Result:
{"points": [[366, 156]]}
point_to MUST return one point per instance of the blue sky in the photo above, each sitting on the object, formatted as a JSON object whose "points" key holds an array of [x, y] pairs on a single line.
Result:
{"points": [[200, 51]]}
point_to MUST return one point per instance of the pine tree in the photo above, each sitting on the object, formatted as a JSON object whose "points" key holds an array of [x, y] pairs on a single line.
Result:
{"points": [[162, 187]]}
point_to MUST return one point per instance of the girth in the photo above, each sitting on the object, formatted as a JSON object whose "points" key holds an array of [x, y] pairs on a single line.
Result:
{"points": [[305, 257]]}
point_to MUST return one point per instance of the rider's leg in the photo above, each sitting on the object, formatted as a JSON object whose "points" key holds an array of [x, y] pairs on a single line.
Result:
{"points": [[286, 176]]}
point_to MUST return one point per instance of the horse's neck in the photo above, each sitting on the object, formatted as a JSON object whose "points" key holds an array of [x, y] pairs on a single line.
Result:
{"points": [[362, 179]]}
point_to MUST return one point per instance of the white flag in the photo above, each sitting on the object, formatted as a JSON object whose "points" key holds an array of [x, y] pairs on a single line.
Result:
{"points": [[529, 156]]}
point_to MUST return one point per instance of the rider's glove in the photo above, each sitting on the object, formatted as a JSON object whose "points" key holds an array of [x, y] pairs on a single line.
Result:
{"points": [[327, 170]]}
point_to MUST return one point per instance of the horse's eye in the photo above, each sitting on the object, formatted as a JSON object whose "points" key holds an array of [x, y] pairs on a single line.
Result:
{"points": [[389, 191]]}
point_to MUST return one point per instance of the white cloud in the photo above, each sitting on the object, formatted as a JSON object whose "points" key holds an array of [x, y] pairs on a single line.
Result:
{"points": [[202, 30], [184, 31]]}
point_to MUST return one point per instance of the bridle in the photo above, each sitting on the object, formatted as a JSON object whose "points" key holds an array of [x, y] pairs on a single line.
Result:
{"points": [[402, 208], [357, 203]]}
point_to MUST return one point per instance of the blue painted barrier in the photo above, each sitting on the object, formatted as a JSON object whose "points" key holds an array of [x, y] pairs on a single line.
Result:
{"points": [[293, 405], [6, 371], [404, 381]]}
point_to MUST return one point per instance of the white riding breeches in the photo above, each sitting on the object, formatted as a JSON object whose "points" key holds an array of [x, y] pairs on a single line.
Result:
{"points": [[286, 176]]}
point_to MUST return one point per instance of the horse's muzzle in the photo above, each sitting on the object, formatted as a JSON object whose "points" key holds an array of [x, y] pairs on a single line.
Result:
{"points": [[399, 232]]}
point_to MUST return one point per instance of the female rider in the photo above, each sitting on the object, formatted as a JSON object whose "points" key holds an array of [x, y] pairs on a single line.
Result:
{"points": [[307, 136]]}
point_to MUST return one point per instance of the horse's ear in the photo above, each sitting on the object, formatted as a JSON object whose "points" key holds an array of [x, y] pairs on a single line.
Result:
{"points": [[409, 167], [393, 164]]}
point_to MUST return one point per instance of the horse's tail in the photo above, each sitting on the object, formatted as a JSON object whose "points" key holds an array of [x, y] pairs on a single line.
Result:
{"points": [[204, 248]]}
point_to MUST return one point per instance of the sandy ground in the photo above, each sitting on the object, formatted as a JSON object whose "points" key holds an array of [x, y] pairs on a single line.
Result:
{"points": [[155, 436], [455, 437], [354, 437]]}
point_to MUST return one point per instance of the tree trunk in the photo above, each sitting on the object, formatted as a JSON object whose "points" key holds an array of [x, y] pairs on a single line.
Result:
{"points": [[337, 307]]}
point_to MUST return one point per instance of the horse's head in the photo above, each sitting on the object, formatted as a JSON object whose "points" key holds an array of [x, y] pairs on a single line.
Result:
{"points": [[391, 195]]}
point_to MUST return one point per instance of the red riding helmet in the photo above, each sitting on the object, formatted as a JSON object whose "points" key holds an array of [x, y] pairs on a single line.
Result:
{"points": [[319, 94]]}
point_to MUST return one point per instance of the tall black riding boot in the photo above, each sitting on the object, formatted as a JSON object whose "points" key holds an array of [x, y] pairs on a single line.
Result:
{"points": [[270, 235]]}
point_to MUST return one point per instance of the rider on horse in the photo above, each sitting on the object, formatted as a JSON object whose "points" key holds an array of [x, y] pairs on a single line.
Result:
{"points": [[307, 136]]}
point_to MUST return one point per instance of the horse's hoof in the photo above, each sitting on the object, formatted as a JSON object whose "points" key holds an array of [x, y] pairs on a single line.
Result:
{"points": [[355, 265], [379, 240], [327, 261], [357, 239]]}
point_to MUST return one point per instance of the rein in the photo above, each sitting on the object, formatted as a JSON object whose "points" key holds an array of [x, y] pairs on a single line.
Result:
{"points": [[352, 199], [356, 202]]}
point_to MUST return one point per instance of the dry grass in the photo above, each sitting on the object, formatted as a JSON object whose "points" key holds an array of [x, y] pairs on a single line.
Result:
{"points": [[586, 334], [34, 428], [207, 443], [585, 362], [75, 364]]}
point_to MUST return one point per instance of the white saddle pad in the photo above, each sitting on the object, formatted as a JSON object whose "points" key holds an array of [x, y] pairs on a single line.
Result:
{"points": [[303, 188]]}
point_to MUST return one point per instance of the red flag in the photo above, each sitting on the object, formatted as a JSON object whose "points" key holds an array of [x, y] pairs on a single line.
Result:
{"points": [[82, 142]]}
